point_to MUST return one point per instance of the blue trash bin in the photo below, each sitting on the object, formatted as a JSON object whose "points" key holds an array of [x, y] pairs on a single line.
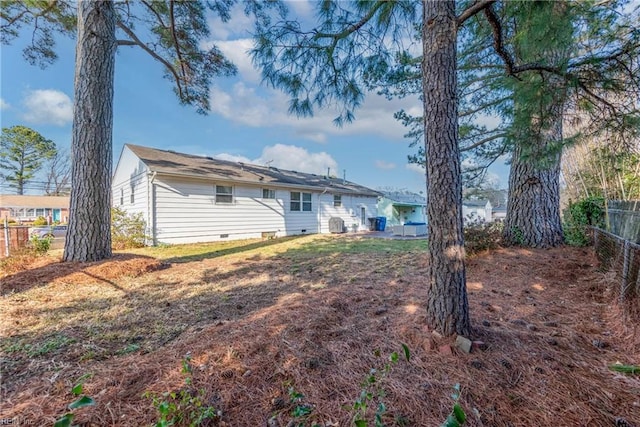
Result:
{"points": [[381, 223]]}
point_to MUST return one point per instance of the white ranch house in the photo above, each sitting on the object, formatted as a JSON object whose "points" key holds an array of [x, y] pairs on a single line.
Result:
{"points": [[187, 199], [477, 211]]}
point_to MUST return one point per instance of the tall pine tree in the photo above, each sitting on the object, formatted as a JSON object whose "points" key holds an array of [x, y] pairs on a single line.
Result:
{"points": [[171, 32]]}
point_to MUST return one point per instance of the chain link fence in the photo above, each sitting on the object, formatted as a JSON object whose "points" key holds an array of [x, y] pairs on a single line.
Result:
{"points": [[622, 257]]}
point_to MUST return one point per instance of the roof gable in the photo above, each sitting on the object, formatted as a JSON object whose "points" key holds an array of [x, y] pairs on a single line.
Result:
{"points": [[173, 163]]}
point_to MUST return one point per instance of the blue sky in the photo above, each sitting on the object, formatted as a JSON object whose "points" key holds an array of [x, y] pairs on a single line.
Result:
{"points": [[247, 122]]}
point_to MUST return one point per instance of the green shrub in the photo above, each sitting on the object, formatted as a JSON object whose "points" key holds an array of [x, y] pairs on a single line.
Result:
{"points": [[579, 216], [127, 229], [40, 221], [480, 236], [41, 244]]}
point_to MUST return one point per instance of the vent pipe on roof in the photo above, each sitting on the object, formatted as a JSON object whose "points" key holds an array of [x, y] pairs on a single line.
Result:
{"points": [[344, 176], [328, 173]]}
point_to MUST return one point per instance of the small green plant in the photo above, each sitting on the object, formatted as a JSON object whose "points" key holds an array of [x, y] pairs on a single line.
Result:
{"points": [[457, 417], [184, 407], [127, 229], [300, 410], [373, 393], [41, 244], [517, 235], [625, 369], [80, 402]]}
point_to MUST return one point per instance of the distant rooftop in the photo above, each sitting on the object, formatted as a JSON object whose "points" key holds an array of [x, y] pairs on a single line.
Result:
{"points": [[29, 201], [405, 197], [475, 203]]}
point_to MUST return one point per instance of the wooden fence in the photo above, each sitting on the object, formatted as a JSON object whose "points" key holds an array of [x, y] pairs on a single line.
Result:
{"points": [[624, 219], [12, 238]]}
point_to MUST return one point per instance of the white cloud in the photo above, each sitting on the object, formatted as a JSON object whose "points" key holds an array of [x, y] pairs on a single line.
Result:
{"points": [[289, 157], [414, 167], [48, 106], [237, 52], [246, 105], [381, 164], [297, 158], [238, 26], [4, 105], [234, 158]]}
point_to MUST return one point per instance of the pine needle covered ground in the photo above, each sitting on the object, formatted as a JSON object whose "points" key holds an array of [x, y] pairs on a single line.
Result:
{"points": [[285, 332]]}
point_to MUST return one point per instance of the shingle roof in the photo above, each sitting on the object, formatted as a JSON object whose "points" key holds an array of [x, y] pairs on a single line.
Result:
{"points": [[405, 197], [17, 201], [173, 163], [479, 203]]}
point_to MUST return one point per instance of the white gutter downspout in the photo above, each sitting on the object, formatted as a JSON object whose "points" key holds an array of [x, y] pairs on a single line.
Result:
{"points": [[320, 210], [151, 197]]}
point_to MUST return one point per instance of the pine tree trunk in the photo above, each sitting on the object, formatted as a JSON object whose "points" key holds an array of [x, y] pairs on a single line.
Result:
{"points": [[533, 206], [89, 236], [447, 306]]}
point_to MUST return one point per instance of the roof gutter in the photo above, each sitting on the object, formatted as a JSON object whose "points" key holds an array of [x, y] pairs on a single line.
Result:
{"points": [[261, 183]]}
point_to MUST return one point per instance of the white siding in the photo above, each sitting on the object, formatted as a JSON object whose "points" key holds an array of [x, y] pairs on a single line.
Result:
{"points": [[186, 212], [131, 176], [349, 212]]}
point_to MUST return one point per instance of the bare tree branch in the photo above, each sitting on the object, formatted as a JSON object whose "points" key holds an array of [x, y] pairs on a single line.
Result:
{"points": [[135, 41], [472, 10]]}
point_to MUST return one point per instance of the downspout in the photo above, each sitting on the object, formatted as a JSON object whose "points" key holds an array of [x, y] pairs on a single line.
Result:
{"points": [[320, 210], [151, 208]]}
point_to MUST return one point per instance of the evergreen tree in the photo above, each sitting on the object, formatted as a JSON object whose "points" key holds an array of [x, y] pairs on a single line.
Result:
{"points": [[22, 153], [169, 31], [539, 65], [353, 44]]}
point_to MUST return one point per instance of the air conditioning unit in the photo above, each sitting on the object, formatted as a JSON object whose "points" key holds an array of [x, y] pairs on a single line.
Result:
{"points": [[336, 225]]}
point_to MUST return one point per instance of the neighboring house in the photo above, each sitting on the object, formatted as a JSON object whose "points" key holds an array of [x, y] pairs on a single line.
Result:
{"points": [[27, 208], [476, 211], [400, 207], [499, 214], [185, 198]]}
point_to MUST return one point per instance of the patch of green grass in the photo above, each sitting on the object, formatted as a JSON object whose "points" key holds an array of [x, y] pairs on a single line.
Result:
{"points": [[47, 346], [129, 348], [199, 252], [304, 244], [332, 245]]}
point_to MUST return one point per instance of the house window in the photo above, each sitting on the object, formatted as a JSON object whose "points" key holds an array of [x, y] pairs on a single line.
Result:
{"points": [[300, 201], [224, 194], [268, 194], [40, 212], [121, 196], [295, 201], [133, 190], [306, 202], [337, 201]]}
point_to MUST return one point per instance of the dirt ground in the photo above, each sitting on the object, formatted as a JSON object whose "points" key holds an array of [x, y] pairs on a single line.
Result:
{"points": [[267, 334]]}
